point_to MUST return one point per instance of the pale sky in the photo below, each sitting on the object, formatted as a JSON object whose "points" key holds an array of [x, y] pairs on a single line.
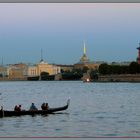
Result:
{"points": [[111, 32]]}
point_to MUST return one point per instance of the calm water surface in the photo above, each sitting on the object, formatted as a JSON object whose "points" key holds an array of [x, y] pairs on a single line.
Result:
{"points": [[96, 109]]}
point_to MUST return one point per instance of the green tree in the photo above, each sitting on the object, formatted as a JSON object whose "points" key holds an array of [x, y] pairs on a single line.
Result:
{"points": [[134, 67], [124, 69], [85, 69], [93, 75], [115, 69], [104, 69]]}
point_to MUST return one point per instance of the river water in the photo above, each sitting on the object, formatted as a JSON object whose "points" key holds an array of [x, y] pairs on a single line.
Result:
{"points": [[96, 109]]}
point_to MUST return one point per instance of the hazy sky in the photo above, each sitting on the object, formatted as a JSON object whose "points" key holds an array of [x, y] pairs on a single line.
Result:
{"points": [[111, 31]]}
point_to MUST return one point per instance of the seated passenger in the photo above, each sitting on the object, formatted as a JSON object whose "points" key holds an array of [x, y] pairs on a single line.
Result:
{"points": [[47, 106], [1, 108], [33, 107], [44, 106], [17, 108]]}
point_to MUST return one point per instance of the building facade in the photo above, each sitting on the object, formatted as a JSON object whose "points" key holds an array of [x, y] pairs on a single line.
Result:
{"points": [[17, 71], [65, 67], [3, 72], [42, 66], [32, 70], [45, 67]]}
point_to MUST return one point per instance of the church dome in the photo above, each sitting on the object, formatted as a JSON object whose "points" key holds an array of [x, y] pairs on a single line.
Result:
{"points": [[84, 59]]}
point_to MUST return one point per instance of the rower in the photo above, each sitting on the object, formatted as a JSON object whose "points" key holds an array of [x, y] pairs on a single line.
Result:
{"points": [[17, 108]]}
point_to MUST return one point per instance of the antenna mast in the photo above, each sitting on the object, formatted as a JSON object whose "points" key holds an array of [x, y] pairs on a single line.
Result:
{"points": [[41, 55], [2, 61]]}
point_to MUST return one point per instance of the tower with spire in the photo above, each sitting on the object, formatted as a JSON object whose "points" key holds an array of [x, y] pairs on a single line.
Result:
{"points": [[85, 62], [84, 58]]}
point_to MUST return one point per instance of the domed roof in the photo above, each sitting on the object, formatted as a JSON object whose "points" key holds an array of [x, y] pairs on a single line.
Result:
{"points": [[42, 62], [84, 59]]}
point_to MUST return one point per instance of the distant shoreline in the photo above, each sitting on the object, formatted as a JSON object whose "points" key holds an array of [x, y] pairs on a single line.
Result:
{"points": [[135, 78]]}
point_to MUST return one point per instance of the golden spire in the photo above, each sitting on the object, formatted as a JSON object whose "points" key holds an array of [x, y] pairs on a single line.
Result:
{"points": [[84, 58], [84, 48]]}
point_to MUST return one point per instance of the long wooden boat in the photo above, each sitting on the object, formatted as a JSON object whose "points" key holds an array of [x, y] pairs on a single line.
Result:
{"points": [[6, 113]]}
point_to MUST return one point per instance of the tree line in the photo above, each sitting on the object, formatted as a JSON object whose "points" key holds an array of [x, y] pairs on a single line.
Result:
{"points": [[77, 74], [104, 69], [132, 68]]}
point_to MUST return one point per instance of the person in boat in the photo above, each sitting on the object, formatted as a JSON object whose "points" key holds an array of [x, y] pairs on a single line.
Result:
{"points": [[44, 106], [33, 107], [1, 108], [17, 108], [47, 106]]}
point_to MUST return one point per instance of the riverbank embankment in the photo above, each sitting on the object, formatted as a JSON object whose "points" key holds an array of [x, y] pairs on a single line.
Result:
{"points": [[119, 78]]}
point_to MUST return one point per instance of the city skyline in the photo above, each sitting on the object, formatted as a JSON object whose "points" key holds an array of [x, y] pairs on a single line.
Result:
{"points": [[110, 31]]}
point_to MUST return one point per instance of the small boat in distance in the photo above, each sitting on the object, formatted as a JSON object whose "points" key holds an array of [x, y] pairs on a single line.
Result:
{"points": [[6, 113]]}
